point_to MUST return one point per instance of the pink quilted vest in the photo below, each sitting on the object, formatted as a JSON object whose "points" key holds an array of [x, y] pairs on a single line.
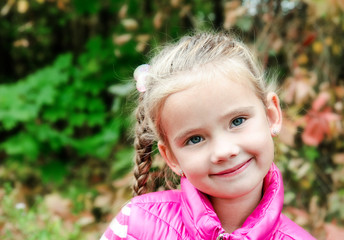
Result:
{"points": [[188, 214]]}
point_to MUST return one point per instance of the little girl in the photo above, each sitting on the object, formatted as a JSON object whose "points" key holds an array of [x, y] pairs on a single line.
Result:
{"points": [[205, 104]]}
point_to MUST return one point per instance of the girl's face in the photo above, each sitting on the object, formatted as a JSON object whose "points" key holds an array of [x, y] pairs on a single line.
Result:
{"points": [[219, 134]]}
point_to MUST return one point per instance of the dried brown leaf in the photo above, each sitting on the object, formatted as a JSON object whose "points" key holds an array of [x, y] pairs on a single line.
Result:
{"points": [[85, 219], [288, 132], [122, 39], [122, 13], [338, 158], [158, 20], [58, 205], [102, 201], [299, 216], [334, 232]]}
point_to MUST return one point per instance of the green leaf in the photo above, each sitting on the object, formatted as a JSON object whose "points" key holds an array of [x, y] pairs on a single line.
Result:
{"points": [[96, 119], [123, 162], [100, 145], [96, 105], [21, 144], [86, 6], [94, 46], [54, 172], [310, 153], [77, 119], [63, 61]]}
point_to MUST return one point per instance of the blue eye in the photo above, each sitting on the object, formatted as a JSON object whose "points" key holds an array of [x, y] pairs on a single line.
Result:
{"points": [[194, 140], [238, 121]]}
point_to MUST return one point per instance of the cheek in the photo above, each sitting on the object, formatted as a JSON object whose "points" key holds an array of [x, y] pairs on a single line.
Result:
{"points": [[257, 132], [260, 141], [193, 162]]}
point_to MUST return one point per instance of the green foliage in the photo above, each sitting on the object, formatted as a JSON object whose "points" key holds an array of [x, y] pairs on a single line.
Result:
{"points": [[87, 6], [21, 102], [121, 165], [311, 153], [63, 107]]}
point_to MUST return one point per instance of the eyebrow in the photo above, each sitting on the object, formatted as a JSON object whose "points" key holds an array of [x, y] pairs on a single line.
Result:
{"points": [[235, 112], [183, 135], [238, 111]]}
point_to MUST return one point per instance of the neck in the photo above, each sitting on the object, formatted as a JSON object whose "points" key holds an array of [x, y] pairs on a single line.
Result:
{"points": [[233, 212]]}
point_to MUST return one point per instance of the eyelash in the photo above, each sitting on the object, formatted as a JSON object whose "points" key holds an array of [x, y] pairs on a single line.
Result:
{"points": [[232, 122], [188, 142]]}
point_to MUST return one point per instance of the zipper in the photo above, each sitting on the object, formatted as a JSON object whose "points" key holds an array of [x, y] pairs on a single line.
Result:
{"points": [[223, 236], [220, 237]]}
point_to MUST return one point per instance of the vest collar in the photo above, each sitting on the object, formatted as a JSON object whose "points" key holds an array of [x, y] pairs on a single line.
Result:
{"points": [[202, 222]]}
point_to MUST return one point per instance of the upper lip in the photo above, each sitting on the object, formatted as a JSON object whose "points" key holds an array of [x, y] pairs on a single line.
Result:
{"points": [[230, 170]]}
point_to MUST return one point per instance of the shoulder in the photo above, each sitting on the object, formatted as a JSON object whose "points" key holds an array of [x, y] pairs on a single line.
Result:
{"points": [[149, 216], [156, 202], [157, 197], [290, 230], [156, 214], [163, 205], [160, 204]]}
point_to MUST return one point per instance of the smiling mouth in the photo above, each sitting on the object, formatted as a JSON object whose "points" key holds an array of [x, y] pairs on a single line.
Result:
{"points": [[234, 170]]}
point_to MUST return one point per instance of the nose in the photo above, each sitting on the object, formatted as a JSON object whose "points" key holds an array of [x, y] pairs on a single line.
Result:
{"points": [[224, 148]]}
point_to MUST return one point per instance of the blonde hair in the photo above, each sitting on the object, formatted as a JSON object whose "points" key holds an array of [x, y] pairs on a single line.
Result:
{"points": [[170, 71]]}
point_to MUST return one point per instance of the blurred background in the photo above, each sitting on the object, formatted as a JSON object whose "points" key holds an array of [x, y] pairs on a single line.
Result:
{"points": [[66, 102]]}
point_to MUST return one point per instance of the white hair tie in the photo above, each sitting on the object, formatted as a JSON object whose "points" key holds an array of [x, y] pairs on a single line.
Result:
{"points": [[140, 75]]}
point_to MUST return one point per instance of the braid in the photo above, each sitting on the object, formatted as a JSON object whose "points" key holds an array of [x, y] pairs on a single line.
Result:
{"points": [[143, 145]]}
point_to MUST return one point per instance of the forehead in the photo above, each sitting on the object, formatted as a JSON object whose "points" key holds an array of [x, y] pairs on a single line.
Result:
{"points": [[229, 73], [205, 103], [201, 90]]}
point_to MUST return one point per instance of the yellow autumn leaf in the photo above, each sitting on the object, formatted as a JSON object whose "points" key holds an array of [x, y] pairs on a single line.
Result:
{"points": [[61, 4], [143, 38], [302, 59], [175, 3], [22, 6], [336, 49], [305, 184], [317, 47], [21, 43]]}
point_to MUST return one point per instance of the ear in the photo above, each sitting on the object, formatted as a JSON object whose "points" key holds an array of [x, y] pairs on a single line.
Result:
{"points": [[169, 158], [274, 113]]}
